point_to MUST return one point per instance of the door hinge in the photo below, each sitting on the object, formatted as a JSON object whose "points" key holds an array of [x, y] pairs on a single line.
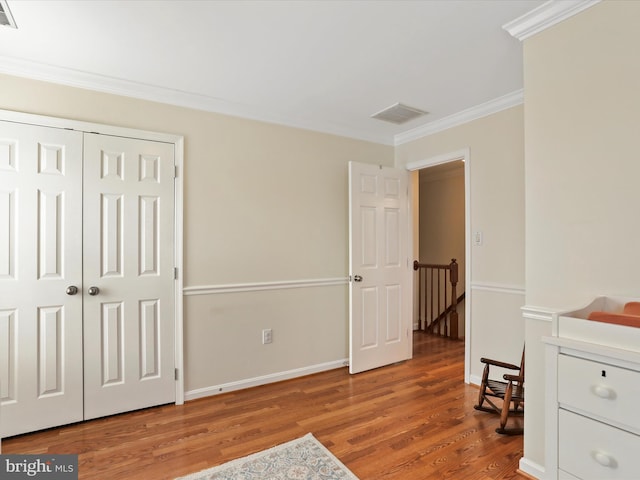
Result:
{"points": [[175, 374], [175, 273], [175, 171]]}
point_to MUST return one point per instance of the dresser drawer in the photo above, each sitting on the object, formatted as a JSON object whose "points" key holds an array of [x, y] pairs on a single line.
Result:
{"points": [[592, 450], [596, 388]]}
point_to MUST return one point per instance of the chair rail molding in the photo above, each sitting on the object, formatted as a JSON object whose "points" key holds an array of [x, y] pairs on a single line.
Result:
{"points": [[541, 314], [498, 288], [260, 286]]}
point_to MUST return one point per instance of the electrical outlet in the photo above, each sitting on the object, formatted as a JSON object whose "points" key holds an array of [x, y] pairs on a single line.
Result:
{"points": [[267, 336]]}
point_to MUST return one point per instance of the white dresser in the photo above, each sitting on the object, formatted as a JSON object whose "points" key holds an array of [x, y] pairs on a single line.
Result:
{"points": [[593, 396]]}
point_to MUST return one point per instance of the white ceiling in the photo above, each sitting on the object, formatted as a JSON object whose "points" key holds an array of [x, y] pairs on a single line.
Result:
{"points": [[323, 65]]}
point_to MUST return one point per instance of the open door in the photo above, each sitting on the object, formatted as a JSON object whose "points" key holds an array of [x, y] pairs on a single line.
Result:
{"points": [[379, 267]]}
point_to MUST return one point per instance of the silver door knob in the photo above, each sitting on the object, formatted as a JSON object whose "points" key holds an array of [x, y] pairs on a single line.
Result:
{"points": [[71, 290], [93, 291], [357, 278]]}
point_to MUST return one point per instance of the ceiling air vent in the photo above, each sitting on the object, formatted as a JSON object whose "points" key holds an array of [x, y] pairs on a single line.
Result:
{"points": [[6, 18], [398, 113]]}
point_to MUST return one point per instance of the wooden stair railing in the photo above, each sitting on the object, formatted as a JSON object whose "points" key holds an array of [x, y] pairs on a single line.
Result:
{"points": [[437, 298]]}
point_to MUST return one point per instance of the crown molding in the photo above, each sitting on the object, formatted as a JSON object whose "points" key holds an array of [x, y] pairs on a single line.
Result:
{"points": [[545, 16], [154, 93], [488, 108]]}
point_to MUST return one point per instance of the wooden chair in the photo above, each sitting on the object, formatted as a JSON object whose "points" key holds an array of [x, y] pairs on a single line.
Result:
{"points": [[510, 391]]}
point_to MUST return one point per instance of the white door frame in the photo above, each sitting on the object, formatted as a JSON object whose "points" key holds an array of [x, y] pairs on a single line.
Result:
{"points": [[178, 142], [465, 156]]}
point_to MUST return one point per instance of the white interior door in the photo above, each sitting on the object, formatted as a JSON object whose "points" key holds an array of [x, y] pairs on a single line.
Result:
{"points": [[129, 320], [379, 267], [40, 257]]}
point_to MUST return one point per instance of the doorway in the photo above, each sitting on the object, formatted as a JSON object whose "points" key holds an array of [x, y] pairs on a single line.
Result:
{"points": [[445, 167]]}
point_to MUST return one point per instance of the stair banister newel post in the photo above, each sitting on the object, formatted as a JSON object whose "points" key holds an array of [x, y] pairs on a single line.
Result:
{"points": [[453, 319], [416, 267]]}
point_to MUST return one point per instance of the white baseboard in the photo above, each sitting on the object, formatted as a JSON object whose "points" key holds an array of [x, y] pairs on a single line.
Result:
{"points": [[264, 379], [475, 380], [532, 468]]}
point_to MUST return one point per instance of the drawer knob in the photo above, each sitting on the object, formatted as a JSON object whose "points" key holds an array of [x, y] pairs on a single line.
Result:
{"points": [[604, 459], [603, 392]]}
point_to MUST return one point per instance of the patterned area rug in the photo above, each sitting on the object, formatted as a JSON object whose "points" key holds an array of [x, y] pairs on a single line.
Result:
{"points": [[301, 459]]}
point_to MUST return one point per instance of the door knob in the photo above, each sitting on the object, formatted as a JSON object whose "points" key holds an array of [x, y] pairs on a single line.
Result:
{"points": [[357, 278], [71, 290], [93, 291]]}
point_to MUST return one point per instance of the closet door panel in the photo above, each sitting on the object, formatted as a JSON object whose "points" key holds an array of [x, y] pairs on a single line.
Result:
{"points": [[40, 257], [129, 257]]}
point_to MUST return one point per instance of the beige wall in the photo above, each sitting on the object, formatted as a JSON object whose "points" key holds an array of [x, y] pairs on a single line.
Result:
{"points": [[442, 217], [582, 171], [496, 176], [262, 203]]}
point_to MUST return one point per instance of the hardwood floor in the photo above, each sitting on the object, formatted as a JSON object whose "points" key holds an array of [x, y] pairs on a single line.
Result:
{"points": [[410, 421]]}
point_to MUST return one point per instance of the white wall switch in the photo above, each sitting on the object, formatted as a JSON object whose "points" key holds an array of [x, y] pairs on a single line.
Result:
{"points": [[477, 239], [267, 336]]}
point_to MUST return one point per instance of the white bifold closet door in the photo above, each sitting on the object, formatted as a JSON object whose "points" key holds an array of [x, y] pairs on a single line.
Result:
{"points": [[128, 246], [40, 257], [93, 213]]}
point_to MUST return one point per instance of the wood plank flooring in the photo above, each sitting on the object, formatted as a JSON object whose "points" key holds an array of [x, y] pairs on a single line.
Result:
{"points": [[410, 421]]}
